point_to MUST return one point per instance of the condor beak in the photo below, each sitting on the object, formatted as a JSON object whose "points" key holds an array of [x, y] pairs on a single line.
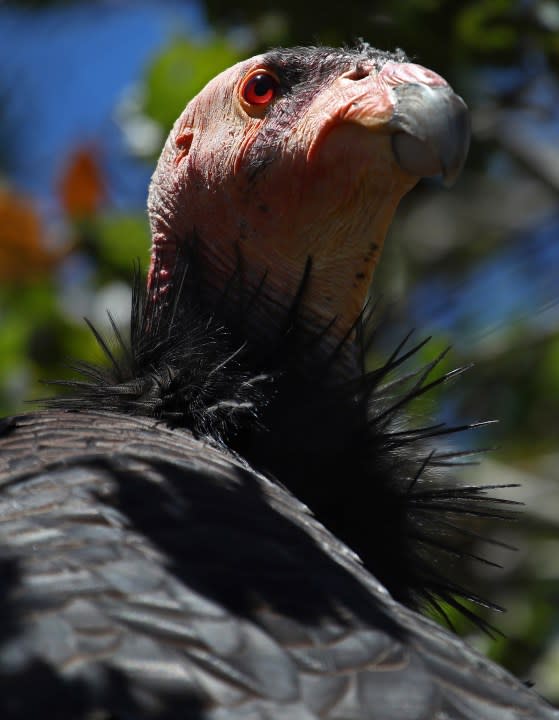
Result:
{"points": [[432, 127]]}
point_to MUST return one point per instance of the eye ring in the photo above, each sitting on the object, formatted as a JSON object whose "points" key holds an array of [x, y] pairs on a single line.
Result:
{"points": [[259, 88]]}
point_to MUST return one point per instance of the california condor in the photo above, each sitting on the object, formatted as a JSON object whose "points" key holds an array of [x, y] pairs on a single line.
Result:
{"points": [[156, 562]]}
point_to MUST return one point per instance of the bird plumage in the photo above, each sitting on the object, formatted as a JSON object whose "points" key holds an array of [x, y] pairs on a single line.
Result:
{"points": [[149, 575], [345, 447], [156, 562]]}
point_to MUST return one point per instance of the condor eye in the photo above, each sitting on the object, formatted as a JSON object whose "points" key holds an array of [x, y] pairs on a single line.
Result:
{"points": [[260, 88]]}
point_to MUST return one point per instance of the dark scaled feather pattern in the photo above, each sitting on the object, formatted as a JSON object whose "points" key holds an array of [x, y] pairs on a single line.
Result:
{"points": [[346, 447]]}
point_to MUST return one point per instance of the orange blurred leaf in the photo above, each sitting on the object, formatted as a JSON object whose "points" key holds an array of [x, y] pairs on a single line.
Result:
{"points": [[82, 188], [22, 253]]}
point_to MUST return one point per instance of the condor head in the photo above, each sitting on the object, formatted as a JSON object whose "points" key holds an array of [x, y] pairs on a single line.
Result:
{"points": [[290, 165]]}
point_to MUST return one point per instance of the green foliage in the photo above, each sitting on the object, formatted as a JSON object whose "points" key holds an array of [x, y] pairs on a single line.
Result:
{"points": [[32, 339], [120, 238], [180, 71], [550, 367], [484, 26]]}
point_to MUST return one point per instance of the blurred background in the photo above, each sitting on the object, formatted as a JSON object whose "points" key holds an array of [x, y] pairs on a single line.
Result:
{"points": [[88, 91]]}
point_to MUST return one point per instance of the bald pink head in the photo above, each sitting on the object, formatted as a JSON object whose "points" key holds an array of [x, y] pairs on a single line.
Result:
{"points": [[300, 154]]}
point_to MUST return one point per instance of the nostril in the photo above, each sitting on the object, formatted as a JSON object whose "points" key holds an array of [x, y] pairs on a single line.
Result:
{"points": [[358, 73]]}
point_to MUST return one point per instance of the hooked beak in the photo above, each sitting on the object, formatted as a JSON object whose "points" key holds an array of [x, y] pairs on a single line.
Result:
{"points": [[432, 127]]}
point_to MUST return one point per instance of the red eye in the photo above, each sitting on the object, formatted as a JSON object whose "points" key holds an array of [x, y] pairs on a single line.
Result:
{"points": [[260, 88]]}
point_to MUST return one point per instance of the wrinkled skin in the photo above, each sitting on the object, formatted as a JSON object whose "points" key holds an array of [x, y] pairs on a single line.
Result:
{"points": [[312, 175]]}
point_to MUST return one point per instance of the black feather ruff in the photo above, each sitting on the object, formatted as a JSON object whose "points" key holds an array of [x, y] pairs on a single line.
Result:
{"points": [[345, 447], [178, 366]]}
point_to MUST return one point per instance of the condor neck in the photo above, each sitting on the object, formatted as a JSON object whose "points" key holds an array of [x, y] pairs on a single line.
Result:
{"points": [[277, 333], [265, 311]]}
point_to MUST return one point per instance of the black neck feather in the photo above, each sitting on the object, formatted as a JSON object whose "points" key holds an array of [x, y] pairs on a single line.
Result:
{"points": [[343, 444]]}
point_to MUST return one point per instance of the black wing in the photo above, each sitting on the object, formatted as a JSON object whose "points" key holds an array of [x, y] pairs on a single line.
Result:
{"points": [[149, 575]]}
